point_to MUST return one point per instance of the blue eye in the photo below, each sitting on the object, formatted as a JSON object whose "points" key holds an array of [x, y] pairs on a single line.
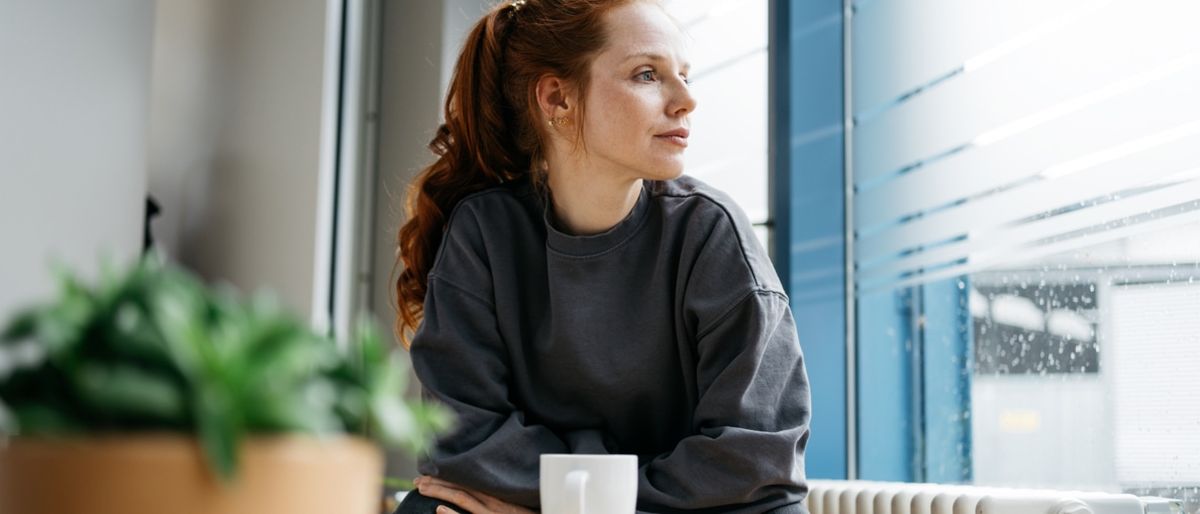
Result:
{"points": [[646, 76]]}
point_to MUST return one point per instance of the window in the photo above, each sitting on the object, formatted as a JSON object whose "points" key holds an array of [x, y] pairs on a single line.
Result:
{"points": [[1026, 214]]}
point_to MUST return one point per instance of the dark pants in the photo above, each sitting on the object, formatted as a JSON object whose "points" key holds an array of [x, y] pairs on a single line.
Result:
{"points": [[414, 503]]}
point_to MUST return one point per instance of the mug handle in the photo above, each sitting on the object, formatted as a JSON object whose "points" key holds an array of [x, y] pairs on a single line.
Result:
{"points": [[576, 480]]}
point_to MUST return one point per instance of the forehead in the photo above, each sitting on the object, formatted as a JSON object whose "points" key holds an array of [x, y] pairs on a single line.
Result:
{"points": [[641, 28]]}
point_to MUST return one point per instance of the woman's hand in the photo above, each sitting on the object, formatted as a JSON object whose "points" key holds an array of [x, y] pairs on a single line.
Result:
{"points": [[472, 501]]}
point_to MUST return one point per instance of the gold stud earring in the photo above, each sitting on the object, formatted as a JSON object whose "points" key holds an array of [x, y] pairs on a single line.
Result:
{"points": [[559, 121]]}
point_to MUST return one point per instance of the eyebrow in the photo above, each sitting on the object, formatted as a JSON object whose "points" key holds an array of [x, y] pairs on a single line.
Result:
{"points": [[654, 57]]}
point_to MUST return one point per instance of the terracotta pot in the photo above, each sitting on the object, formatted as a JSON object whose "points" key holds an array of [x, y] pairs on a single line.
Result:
{"points": [[164, 474]]}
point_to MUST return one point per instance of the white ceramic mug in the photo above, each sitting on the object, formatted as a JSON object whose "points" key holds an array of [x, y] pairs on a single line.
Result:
{"points": [[588, 484]]}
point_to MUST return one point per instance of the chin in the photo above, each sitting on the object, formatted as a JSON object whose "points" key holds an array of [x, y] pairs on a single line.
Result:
{"points": [[674, 174], [669, 170], [663, 174]]}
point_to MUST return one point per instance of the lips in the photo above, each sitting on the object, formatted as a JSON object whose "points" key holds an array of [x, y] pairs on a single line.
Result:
{"points": [[678, 136]]}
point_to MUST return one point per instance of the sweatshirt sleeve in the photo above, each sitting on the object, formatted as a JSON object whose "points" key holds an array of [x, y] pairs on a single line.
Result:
{"points": [[751, 423], [459, 358]]}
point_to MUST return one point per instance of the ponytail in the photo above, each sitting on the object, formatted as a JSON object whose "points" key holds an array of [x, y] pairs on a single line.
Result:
{"points": [[490, 135], [473, 153]]}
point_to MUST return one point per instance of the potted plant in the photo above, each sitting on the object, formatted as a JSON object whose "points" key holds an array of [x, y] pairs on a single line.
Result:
{"points": [[152, 393]]}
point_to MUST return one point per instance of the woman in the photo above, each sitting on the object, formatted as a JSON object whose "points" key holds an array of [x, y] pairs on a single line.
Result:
{"points": [[571, 292]]}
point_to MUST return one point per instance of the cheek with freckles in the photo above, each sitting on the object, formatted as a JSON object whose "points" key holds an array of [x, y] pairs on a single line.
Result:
{"points": [[620, 127], [623, 118]]}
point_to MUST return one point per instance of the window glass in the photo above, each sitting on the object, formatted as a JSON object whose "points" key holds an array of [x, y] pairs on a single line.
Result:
{"points": [[728, 45], [1027, 242]]}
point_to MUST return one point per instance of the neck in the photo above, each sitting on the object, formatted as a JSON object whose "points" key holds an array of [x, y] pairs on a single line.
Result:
{"points": [[588, 200]]}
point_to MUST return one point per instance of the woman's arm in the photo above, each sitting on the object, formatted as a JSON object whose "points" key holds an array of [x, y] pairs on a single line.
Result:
{"points": [[751, 422], [461, 362]]}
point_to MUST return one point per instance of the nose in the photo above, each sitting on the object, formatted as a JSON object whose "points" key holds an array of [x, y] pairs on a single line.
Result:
{"points": [[682, 103]]}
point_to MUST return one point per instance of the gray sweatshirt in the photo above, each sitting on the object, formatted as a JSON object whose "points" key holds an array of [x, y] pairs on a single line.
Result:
{"points": [[669, 336]]}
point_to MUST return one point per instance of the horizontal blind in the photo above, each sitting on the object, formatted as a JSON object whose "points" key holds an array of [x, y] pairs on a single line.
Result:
{"points": [[995, 131]]}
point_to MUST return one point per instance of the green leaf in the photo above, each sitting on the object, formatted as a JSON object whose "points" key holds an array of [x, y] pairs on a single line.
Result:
{"points": [[393, 420], [432, 419], [219, 432], [128, 391], [132, 331], [308, 407], [61, 327], [22, 326], [8, 422], [178, 314], [44, 420], [285, 353], [69, 285]]}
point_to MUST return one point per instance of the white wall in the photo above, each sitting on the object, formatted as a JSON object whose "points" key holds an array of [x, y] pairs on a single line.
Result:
{"points": [[235, 143], [73, 119], [185, 79]]}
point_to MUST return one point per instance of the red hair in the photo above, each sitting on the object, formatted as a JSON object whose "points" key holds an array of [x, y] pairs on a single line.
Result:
{"points": [[492, 131]]}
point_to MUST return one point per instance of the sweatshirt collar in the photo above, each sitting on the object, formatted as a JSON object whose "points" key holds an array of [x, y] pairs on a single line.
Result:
{"points": [[584, 246]]}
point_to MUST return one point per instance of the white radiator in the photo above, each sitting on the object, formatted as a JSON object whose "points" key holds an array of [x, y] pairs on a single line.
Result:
{"points": [[863, 497]]}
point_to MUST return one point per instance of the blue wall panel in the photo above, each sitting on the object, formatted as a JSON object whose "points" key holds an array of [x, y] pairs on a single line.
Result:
{"points": [[885, 382], [808, 200]]}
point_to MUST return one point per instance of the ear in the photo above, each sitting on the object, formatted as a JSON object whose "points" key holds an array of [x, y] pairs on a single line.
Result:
{"points": [[554, 97]]}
